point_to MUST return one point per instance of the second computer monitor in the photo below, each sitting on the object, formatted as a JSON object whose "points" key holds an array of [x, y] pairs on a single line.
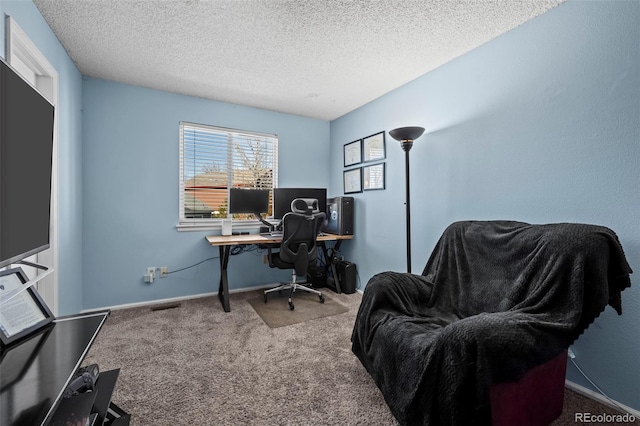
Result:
{"points": [[282, 198]]}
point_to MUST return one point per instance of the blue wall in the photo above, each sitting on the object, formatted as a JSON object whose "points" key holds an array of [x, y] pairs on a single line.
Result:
{"points": [[539, 125], [130, 203], [69, 116]]}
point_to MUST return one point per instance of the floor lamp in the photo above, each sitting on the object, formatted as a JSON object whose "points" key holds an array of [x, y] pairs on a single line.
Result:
{"points": [[406, 136]]}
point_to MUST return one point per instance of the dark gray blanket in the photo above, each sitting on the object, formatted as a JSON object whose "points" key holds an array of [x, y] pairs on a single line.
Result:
{"points": [[495, 299]]}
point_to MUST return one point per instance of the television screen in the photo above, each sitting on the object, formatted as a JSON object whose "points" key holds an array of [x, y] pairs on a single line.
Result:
{"points": [[282, 198], [26, 149]]}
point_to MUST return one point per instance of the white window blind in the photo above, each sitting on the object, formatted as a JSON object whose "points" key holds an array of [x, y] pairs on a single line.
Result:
{"points": [[214, 159]]}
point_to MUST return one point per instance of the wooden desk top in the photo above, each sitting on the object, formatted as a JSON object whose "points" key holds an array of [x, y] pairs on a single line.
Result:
{"points": [[232, 240]]}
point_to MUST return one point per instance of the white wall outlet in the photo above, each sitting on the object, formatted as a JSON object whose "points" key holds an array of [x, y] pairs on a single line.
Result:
{"points": [[164, 272], [151, 274]]}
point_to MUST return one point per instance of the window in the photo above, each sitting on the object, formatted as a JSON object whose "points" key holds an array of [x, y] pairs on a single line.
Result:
{"points": [[214, 159]]}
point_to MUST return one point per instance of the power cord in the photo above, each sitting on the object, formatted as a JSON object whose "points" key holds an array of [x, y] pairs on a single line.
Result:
{"points": [[195, 264], [571, 358], [255, 249], [245, 248]]}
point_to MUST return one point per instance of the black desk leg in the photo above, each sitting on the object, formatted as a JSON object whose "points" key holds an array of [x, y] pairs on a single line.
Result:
{"points": [[334, 270], [223, 289]]}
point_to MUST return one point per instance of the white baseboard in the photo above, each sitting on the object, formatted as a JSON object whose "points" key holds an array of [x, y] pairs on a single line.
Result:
{"points": [[600, 398], [172, 299]]}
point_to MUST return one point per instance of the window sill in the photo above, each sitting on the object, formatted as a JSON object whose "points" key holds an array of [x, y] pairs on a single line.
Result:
{"points": [[182, 227], [248, 225]]}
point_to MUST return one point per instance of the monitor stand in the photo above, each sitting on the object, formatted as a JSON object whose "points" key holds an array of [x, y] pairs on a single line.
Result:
{"points": [[259, 217]]}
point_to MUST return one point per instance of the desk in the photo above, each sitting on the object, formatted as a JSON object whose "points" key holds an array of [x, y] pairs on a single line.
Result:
{"points": [[225, 242]]}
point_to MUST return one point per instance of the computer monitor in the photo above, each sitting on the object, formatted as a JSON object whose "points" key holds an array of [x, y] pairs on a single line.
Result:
{"points": [[282, 198], [242, 200], [254, 201]]}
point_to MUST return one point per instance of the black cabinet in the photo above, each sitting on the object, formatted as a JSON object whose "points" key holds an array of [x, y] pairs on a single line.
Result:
{"points": [[35, 372], [94, 408]]}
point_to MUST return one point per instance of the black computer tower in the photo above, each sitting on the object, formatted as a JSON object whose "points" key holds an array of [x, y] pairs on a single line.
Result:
{"points": [[340, 214]]}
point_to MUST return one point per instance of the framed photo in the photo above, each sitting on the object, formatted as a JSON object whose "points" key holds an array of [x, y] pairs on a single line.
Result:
{"points": [[352, 180], [353, 153], [22, 310], [373, 177], [374, 147]]}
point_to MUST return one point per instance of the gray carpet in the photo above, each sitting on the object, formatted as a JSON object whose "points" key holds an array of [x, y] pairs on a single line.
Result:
{"points": [[197, 365]]}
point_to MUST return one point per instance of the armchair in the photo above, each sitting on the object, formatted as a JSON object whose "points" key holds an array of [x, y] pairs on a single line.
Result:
{"points": [[298, 249], [494, 311]]}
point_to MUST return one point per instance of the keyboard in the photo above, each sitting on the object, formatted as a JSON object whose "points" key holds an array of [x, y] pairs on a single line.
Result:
{"points": [[272, 234]]}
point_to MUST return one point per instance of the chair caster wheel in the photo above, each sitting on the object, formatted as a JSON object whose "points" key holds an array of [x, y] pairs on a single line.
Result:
{"points": [[291, 307], [321, 298]]}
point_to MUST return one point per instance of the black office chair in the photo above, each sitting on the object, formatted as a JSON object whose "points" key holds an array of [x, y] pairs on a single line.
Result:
{"points": [[298, 249]]}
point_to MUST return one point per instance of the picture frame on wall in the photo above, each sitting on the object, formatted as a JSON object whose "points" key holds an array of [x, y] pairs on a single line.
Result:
{"points": [[373, 177], [352, 180], [23, 311], [353, 153], [374, 148]]}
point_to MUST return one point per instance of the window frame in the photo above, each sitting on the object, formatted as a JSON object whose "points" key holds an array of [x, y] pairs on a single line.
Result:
{"points": [[200, 224]]}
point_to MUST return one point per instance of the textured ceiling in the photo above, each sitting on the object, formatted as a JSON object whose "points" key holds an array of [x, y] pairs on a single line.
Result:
{"points": [[314, 58]]}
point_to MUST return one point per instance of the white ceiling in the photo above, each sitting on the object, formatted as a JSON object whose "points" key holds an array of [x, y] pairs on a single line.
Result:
{"points": [[314, 58]]}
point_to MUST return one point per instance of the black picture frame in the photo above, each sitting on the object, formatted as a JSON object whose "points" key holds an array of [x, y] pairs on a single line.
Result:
{"points": [[352, 153], [352, 180], [23, 311], [373, 177], [374, 147]]}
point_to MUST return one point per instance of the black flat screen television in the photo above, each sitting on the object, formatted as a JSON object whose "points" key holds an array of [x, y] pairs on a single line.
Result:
{"points": [[26, 152], [282, 198]]}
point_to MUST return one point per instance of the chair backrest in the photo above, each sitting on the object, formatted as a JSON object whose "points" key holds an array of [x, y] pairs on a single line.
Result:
{"points": [[300, 228]]}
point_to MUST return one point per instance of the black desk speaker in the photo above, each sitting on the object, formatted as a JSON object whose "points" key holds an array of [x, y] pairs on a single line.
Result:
{"points": [[340, 215], [347, 276]]}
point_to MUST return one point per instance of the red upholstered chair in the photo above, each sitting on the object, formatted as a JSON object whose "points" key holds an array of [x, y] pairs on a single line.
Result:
{"points": [[536, 399]]}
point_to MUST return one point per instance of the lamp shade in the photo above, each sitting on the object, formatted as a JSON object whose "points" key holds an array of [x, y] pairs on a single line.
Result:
{"points": [[406, 133]]}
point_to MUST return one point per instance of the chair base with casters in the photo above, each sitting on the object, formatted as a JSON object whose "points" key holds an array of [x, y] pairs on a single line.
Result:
{"points": [[292, 287]]}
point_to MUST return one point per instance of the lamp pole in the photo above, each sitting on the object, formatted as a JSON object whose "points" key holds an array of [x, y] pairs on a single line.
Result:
{"points": [[406, 136], [406, 146]]}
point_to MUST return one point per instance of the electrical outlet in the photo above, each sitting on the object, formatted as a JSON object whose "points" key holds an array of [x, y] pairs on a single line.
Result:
{"points": [[164, 271], [151, 274]]}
